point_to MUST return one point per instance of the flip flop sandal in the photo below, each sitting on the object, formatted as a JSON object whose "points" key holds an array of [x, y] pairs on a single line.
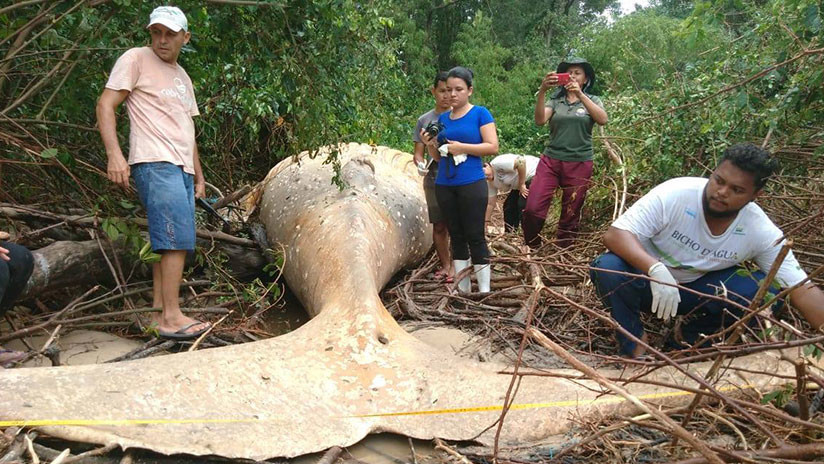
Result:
{"points": [[181, 333], [440, 274]]}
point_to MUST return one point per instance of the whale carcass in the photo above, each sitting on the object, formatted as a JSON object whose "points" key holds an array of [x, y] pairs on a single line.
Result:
{"points": [[350, 371]]}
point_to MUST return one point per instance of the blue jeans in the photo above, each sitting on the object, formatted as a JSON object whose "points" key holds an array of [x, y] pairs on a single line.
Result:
{"points": [[14, 274], [626, 296], [168, 195]]}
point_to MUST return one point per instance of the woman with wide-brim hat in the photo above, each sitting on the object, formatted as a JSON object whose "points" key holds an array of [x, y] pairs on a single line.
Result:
{"points": [[566, 162]]}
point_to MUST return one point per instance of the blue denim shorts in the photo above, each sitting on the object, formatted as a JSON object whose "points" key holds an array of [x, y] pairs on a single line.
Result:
{"points": [[168, 195]]}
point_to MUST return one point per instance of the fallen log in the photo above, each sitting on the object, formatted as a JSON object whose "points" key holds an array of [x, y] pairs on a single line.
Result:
{"points": [[67, 264]]}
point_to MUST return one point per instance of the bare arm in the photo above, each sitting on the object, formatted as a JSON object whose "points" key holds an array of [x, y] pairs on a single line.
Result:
{"points": [[596, 112], [627, 246], [417, 154], [490, 207], [809, 300], [520, 166], [200, 180], [117, 169], [488, 147], [542, 113]]}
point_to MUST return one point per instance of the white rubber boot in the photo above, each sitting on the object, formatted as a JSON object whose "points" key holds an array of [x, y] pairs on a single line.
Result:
{"points": [[464, 285], [483, 273]]}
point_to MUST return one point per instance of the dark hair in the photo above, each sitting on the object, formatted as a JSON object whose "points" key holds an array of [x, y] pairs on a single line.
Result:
{"points": [[462, 73], [753, 159], [440, 77]]}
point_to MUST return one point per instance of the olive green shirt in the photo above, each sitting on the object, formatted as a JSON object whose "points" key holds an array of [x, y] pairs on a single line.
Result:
{"points": [[570, 129]]}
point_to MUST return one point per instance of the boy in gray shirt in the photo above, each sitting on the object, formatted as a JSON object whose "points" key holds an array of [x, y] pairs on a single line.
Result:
{"points": [[429, 171]]}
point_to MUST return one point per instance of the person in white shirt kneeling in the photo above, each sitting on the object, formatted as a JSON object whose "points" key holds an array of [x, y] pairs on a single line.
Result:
{"points": [[697, 233]]}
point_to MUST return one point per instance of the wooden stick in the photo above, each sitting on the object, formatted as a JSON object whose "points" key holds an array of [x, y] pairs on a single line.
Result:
{"points": [[788, 452], [208, 331], [757, 75], [530, 304], [331, 455], [29, 330], [92, 453], [670, 424], [801, 389], [35, 459], [688, 373], [754, 304], [14, 6], [440, 445], [62, 457]]}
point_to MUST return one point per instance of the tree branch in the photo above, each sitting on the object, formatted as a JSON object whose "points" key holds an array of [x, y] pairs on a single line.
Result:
{"points": [[762, 73], [20, 4]]}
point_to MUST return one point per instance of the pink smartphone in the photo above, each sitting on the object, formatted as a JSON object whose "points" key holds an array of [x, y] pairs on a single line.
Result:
{"points": [[563, 78]]}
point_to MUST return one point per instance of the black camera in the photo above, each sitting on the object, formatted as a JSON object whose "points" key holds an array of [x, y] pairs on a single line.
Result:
{"points": [[433, 129]]}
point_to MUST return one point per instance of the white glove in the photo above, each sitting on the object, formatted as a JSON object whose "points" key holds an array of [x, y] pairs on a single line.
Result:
{"points": [[443, 150], [422, 168], [665, 298]]}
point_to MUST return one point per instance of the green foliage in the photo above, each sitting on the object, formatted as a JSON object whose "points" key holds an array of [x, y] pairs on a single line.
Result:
{"points": [[813, 351], [146, 255], [271, 81], [644, 50], [779, 397], [126, 232], [680, 81]]}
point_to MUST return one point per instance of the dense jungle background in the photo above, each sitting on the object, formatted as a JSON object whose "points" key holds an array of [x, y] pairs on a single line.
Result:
{"points": [[681, 80]]}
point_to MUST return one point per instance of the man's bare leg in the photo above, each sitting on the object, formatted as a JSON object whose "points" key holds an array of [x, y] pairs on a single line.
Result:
{"points": [[169, 273], [157, 287], [440, 235], [157, 295]]}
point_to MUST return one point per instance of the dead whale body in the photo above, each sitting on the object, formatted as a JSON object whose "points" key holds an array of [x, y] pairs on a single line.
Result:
{"points": [[348, 372]]}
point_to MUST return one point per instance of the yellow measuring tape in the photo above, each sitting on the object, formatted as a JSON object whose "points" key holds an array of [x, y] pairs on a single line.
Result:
{"points": [[518, 406]]}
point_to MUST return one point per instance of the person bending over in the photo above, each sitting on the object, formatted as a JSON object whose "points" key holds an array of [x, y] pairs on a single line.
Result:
{"points": [[510, 173], [696, 233], [468, 134]]}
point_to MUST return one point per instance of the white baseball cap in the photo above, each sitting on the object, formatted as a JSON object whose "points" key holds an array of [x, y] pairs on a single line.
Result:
{"points": [[169, 16]]}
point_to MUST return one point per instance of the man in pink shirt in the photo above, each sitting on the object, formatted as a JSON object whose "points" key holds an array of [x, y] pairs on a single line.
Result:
{"points": [[163, 157]]}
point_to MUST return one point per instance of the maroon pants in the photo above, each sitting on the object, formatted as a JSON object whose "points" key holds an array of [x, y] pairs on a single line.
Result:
{"points": [[573, 177]]}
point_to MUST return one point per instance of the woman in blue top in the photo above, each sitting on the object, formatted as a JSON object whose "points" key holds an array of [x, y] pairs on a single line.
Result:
{"points": [[468, 134]]}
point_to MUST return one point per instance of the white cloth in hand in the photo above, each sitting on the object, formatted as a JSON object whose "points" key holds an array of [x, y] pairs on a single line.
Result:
{"points": [[444, 151], [665, 298], [422, 168]]}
